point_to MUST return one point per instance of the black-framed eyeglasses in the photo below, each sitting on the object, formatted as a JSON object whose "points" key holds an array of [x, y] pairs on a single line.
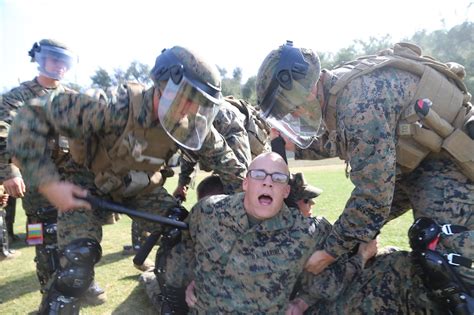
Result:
{"points": [[262, 174]]}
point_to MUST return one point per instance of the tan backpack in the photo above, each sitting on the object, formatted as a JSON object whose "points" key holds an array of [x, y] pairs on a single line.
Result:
{"points": [[443, 129]]}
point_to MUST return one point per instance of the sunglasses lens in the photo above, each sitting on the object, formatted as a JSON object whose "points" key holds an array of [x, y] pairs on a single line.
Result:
{"points": [[279, 178], [258, 174]]}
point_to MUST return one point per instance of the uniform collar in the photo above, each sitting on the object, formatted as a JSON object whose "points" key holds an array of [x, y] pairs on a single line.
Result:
{"points": [[239, 220]]}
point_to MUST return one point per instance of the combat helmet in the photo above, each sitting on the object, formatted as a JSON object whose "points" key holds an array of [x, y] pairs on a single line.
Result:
{"points": [[61, 57], [190, 95], [286, 92]]}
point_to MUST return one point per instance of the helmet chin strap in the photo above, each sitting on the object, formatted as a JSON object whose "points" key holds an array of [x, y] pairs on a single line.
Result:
{"points": [[47, 82]]}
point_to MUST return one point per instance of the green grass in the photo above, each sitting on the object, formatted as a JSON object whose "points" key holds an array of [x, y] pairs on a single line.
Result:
{"points": [[19, 288]]}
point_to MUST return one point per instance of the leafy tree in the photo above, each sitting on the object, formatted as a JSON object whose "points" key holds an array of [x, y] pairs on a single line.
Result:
{"points": [[373, 45], [101, 79], [231, 86], [440, 44], [222, 71], [119, 76], [248, 90], [237, 74], [138, 72]]}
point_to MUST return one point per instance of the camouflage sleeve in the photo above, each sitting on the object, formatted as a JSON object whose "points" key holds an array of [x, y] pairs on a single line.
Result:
{"points": [[216, 153], [10, 102], [186, 169], [367, 125], [329, 284], [230, 123], [72, 115], [320, 149]]}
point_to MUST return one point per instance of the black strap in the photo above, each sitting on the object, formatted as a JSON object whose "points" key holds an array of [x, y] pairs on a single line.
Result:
{"points": [[458, 260], [450, 229]]}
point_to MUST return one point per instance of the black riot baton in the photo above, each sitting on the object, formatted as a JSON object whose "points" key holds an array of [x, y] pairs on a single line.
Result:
{"points": [[151, 241], [114, 207]]}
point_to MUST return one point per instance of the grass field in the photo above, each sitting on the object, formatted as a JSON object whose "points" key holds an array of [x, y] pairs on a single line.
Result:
{"points": [[19, 288]]}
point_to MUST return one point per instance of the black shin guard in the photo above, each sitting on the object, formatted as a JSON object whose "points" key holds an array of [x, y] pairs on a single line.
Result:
{"points": [[73, 277]]}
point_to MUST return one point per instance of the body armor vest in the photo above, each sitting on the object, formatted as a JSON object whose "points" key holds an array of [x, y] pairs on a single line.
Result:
{"points": [[443, 130], [134, 163]]}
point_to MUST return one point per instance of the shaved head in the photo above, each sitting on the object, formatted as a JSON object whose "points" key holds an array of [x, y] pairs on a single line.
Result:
{"points": [[265, 191], [272, 158]]}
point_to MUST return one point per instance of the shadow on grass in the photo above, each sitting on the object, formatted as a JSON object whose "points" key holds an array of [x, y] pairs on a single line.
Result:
{"points": [[21, 243], [112, 257], [12, 290], [136, 303], [29, 282]]}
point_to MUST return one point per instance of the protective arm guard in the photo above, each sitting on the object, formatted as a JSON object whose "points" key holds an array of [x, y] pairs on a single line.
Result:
{"points": [[437, 273]]}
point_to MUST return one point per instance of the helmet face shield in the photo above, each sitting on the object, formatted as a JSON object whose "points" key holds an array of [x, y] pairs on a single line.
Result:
{"points": [[291, 112], [286, 96], [54, 61], [186, 112]]}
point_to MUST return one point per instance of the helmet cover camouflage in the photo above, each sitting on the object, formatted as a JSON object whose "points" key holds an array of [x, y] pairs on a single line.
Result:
{"points": [[190, 94], [267, 69], [286, 93], [194, 66]]}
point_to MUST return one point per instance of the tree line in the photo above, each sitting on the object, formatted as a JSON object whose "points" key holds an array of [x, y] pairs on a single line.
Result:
{"points": [[455, 44]]}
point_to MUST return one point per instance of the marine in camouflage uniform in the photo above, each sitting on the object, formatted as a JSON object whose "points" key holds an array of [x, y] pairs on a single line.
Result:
{"points": [[248, 257], [236, 122], [5, 251], [126, 147], [364, 116], [389, 284], [38, 209]]}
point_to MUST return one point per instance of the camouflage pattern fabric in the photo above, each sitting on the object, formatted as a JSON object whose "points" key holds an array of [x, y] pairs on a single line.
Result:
{"points": [[33, 200], [324, 147], [389, 285], [248, 269], [230, 123], [81, 117], [138, 237], [438, 190], [11, 102], [42, 259], [367, 112]]}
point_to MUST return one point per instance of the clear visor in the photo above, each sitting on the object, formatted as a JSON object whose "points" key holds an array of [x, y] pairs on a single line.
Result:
{"points": [[54, 62], [187, 112], [294, 115]]}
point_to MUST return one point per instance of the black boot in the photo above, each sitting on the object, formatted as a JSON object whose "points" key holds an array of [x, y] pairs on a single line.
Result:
{"points": [[95, 295]]}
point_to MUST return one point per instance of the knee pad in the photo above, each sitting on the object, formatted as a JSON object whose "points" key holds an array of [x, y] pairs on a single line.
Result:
{"points": [[422, 233], [76, 271]]}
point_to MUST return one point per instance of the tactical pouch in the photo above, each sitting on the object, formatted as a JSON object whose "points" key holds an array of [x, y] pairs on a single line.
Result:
{"points": [[135, 182], [107, 182], [410, 154], [461, 147]]}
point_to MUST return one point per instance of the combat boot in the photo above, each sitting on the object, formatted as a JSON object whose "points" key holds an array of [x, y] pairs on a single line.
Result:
{"points": [[95, 295], [147, 265]]}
